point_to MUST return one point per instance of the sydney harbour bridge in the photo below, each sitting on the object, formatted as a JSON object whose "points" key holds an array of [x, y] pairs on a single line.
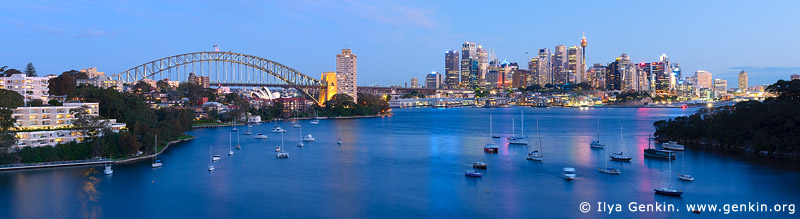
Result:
{"points": [[230, 69]]}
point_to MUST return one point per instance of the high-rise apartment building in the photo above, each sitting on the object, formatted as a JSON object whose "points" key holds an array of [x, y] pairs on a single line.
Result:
{"points": [[720, 85], [451, 69], [597, 74], [347, 73], [575, 71], [540, 67], [703, 80], [742, 81], [559, 63]]}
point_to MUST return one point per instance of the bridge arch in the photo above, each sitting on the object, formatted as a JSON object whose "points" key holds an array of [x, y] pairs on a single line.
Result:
{"points": [[258, 71]]}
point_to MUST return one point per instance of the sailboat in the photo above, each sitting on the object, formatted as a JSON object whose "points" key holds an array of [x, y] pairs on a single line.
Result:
{"points": [[661, 154], [481, 164], [537, 154], [521, 139], [596, 143], [238, 143], [619, 156], [234, 125], [296, 121], [156, 162], [230, 142], [108, 170], [609, 170], [300, 144], [683, 176], [277, 128], [249, 131], [339, 142], [316, 119], [490, 147], [668, 190], [210, 163], [282, 153], [472, 173]]}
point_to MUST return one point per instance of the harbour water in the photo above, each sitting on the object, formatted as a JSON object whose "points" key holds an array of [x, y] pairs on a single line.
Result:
{"points": [[410, 165]]}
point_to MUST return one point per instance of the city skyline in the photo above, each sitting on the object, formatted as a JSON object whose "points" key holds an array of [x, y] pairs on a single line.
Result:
{"points": [[116, 36]]}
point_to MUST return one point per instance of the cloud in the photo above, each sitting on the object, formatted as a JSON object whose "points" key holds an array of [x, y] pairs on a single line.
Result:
{"points": [[91, 33]]}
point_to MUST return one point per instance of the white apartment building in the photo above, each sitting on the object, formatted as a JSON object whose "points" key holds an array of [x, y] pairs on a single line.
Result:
{"points": [[49, 125], [30, 87], [102, 81]]}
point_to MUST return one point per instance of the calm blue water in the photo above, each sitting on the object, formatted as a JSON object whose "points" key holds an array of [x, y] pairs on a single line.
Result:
{"points": [[409, 165]]}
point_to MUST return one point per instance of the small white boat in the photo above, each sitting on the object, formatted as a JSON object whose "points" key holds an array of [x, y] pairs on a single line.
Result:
{"points": [[260, 136], [308, 138], [596, 143], [108, 170], [216, 158], [685, 177], [472, 173], [300, 144], [278, 129], [211, 168], [521, 139], [479, 165], [569, 173], [339, 142], [534, 155], [247, 133], [234, 129], [314, 122], [610, 170], [278, 149], [672, 145], [230, 145], [156, 162], [296, 125]]}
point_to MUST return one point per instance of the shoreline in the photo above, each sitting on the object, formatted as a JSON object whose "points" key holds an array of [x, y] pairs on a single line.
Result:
{"points": [[304, 118], [737, 149], [93, 162]]}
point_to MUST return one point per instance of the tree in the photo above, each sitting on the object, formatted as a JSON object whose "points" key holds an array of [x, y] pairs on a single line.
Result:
{"points": [[30, 70], [142, 87], [54, 102], [65, 83], [10, 99], [9, 72], [7, 138], [89, 124], [786, 90], [35, 102], [3, 69]]}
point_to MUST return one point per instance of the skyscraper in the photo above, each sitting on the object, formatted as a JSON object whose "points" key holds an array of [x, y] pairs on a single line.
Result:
{"points": [[469, 64], [540, 67], [720, 85], [742, 81], [703, 80], [560, 65], [597, 74], [347, 73], [574, 65], [451, 69], [433, 80]]}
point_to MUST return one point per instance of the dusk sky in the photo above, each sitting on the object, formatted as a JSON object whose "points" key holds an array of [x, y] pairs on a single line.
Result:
{"points": [[397, 40]]}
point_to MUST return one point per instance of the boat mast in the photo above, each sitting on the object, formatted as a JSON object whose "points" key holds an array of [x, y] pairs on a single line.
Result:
{"points": [[522, 124], [539, 135]]}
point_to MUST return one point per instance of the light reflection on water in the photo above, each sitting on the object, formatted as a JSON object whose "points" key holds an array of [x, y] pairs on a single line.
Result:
{"points": [[407, 165]]}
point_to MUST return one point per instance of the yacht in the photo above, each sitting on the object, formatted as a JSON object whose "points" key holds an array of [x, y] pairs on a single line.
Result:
{"points": [[278, 129], [282, 153], [596, 143], [260, 136], [216, 158], [316, 119], [668, 190], [278, 149], [308, 138], [537, 154], [156, 162], [248, 132], [660, 154], [108, 170], [490, 147], [296, 125], [339, 142], [672, 145], [609, 170], [569, 173], [521, 139], [683, 176], [472, 173], [479, 165], [210, 163], [619, 156]]}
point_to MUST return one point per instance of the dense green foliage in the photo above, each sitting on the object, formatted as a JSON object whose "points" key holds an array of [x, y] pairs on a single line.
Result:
{"points": [[8, 101], [772, 125], [65, 83], [9, 72], [30, 70], [343, 105]]}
